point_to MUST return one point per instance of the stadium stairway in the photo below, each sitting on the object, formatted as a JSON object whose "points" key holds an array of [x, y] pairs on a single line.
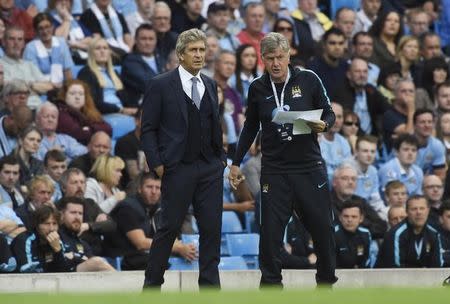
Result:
{"points": [[231, 280]]}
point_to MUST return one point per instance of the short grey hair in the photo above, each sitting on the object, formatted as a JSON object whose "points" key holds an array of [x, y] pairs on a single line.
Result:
{"points": [[162, 5], [343, 166], [13, 86], [67, 174], [44, 105], [400, 81], [189, 36], [273, 41]]}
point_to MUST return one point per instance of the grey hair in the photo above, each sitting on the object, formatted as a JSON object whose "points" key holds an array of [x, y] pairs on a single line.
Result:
{"points": [[15, 85], [273, 41], [223, 52], [67, 174], [162, 5], [44, 105], [189, 36], [344, 165], [400, 81]]}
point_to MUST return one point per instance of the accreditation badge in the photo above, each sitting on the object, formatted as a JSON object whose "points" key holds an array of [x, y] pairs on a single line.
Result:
{"points": [[360, 250], [80, 248]]}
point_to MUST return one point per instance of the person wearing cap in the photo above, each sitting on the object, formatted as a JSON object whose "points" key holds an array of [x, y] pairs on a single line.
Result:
{"points": [[293, 174], [217, 21]]}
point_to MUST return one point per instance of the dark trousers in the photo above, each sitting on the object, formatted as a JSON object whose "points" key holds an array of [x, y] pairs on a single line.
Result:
{"points": [[308, 196], [199, 183]]}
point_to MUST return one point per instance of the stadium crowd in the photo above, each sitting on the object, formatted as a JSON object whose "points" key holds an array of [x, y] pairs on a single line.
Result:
{"points": [[75, 191]]}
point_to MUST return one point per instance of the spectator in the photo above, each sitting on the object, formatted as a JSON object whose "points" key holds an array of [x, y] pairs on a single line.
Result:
{"points": [[363, 48], [333, 146], [101, 18], [386, 30], [143, 15], [40, 192], [10, 224], [99, 144], [7, 261], [188, 15], [351, 128], [403, 167], [345, 21], [246, 70], [235, 24], [15, 93], [17, 68], [224, 68], [331, 66], [47, 122], [318, 23], [55, 164], [443, 132], [396, 214], [435, 72], [16, 17], [367, 185], [357, 95], [41, 249], [102, 186], [10, 195], [285, 26], [95, 223], [400, 118], [387, 81], [141, 65], [2, 36], [418, 21], [352, 241], [431, 151], [166, 39], [49, 53], [430, 46], [77, 252], [367, 15], [137, 220], [412, 243], [78, 117], [105, 85], [274, 11], [10, 127], [27, 146], [395, 194], [443, 97], [344, 186], [444, 231], [252, 33], [252, 167], [226, 109], [66, 26], [433, 190], [408, 54], [218, 19], [212, 50]]}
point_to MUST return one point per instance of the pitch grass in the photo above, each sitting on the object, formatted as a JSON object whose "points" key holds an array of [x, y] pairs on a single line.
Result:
{"points": [[336, 296]]}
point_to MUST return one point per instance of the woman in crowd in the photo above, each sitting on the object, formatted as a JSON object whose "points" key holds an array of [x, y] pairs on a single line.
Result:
{"points": [[103, 184], [226, 108], [408, 54], [67, 27], [27, 146], [78, 116], [350, 128], [435, 72], [387, 80], [2, 35], [285, 26], [51, 54], [386, 32], [106, 88], [246, 70]]}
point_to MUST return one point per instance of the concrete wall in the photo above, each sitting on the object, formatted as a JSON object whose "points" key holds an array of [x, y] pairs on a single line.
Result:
{"points": [[231, 280]]}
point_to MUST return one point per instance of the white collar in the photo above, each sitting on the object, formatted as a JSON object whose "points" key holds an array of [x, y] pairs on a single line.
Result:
{"points": [[244, 77], [402, 169], [185, 76]]}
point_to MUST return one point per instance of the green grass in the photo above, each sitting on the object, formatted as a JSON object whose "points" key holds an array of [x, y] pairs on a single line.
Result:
{"points": [[336, 296]]}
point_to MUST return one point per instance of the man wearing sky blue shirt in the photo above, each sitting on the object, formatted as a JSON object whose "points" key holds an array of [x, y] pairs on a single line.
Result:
{"points": [[431, 152], [402, 167]]}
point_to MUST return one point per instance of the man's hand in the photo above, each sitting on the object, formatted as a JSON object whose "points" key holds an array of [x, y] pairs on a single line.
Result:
{"points": [[246, 206], [120, 196], [188, 251], [102, 217], [312, 259], [54, 241], [84, 227], [235, 177], [317, 126], [160, 171]]}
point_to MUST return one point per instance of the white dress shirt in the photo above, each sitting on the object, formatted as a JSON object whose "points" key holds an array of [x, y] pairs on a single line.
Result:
{"points": [[186, 81]]}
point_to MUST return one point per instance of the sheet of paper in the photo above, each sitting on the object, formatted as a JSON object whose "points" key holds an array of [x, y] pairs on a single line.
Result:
{"points": [[298, 119]]}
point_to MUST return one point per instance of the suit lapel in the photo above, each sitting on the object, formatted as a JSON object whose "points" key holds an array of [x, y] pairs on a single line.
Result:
{"points": [[179, 93], [210, 90]]}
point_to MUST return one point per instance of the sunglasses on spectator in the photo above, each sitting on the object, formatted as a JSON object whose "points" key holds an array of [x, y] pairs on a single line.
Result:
{"points": [[284, 29], [351, 123]]}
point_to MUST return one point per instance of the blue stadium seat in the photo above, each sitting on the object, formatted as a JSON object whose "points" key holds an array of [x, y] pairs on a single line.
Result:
{"points": [[232, 263], [115, 262], [245, 245], [230, 222], [75, 70], [190, 239], [335, 5], [120, 124], [177, 263]]}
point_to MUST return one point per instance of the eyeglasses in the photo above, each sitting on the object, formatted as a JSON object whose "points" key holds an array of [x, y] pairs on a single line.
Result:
{"points": [[438, 187], [284, 29], [20, 93], [351, 123]]}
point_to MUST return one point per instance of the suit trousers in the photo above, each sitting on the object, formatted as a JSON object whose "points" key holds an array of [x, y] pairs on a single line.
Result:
{"points": [[199, 183], [307, 194]]}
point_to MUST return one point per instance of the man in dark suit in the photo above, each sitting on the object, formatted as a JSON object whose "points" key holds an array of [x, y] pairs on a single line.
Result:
{"points": [[182, 141], [362, 98], [141, 65]]}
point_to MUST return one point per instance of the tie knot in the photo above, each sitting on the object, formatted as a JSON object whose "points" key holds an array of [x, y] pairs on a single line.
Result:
{"points": [[195, 80]]}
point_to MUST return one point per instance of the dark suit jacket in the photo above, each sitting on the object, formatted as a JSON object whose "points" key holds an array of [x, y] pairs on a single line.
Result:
{"points": [[165, 120], [376, 103], [135, 75]]}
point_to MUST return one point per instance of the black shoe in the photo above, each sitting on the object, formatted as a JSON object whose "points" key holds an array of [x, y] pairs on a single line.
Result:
{"points": [[446, 282]]}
